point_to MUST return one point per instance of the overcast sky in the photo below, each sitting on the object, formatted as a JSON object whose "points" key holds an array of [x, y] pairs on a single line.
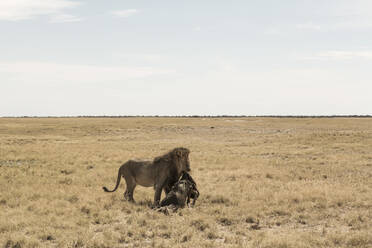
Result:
{"points": [[122, 57]]}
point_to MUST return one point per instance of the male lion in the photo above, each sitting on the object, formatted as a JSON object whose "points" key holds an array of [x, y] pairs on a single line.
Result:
{"points": [[161, 172]]}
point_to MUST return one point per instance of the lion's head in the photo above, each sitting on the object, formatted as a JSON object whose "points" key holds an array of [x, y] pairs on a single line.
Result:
{"points": [[178, 156], [181, 157]]}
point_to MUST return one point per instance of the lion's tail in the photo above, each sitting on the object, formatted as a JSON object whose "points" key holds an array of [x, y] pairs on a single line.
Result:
{"points": [[117, 183]]}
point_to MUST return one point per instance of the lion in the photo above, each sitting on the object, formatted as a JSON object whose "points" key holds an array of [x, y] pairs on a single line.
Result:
{"points": [[162, 171]]}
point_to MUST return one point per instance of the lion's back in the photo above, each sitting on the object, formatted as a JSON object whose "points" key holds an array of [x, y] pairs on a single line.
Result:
{"points": [[142, 170]]}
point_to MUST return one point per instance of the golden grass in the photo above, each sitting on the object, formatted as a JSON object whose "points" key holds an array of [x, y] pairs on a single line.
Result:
{"points": [[263, 182]]}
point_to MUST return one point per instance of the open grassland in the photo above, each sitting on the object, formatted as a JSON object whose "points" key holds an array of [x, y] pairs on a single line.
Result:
{"points": [[263, 182]]}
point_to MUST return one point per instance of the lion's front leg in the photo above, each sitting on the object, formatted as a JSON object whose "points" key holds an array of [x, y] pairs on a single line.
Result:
{"points": [[158, 190], [166, 189], [160, 184]]}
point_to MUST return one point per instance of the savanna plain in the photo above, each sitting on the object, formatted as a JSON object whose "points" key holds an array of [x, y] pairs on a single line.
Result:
{"points": [[263, 182]]}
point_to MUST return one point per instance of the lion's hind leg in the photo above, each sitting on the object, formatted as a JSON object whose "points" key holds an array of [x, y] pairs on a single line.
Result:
{"points": [[131, 185]]}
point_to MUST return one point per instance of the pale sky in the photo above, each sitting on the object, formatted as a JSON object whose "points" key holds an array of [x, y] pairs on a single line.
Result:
{"points": [[210, 57]]}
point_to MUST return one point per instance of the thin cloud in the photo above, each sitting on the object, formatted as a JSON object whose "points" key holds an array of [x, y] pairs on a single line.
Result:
{"points": [[65, 18], [272, 31], [124, 13], [309, 26], [18, 10], [339, 15], [197, 29], [340, 55], [41, 72]]}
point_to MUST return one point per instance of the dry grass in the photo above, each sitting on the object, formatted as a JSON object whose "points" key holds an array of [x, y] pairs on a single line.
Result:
{"points": [[263, 183]]}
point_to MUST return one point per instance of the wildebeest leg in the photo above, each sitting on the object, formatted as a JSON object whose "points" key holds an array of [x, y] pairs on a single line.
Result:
{"points": [[188, 200], [194, 195]]}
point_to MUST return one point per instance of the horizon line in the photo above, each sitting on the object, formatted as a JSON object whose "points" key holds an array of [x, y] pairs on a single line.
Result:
{"points": [[190, 116]]}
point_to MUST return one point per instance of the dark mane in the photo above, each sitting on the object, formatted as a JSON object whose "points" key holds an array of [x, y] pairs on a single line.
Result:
{"points": [[165, 157], [169, 155]]}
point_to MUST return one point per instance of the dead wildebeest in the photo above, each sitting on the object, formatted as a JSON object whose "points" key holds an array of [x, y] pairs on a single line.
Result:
{"points": [[193, 192], [180, 194]]}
